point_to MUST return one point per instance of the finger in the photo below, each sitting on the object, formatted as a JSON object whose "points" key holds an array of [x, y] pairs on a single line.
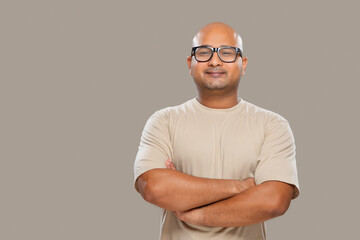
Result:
{"points": [[179, 215], [172, 166], [169, 164]]}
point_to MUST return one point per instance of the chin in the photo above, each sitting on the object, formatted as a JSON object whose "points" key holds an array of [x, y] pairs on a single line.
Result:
{"points": [[215, 87]]}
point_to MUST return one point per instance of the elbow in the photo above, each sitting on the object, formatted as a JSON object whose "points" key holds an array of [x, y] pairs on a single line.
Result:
{"points": [[278, 208], [149, 190], [278, 211], [156, 190], [151, 193]]}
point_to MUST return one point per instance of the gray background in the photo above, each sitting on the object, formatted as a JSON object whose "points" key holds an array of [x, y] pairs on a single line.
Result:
{"points": [[80, 78]]}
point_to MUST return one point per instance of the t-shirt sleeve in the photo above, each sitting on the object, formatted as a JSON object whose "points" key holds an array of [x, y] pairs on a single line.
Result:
{"points": [[277, 157], [155, 146]]}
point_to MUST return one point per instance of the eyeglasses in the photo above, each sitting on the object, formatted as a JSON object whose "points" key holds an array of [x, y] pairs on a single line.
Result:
{"points": [[226, 54]]}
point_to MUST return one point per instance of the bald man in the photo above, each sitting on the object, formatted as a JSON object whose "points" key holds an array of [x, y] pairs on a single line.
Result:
{"points": [[217, 165]]}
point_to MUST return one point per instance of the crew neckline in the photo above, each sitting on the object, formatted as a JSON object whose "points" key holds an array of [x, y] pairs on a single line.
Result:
{"points": [[197, 103]]}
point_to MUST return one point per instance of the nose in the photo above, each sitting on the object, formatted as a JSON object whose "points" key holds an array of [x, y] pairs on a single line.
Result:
{"points": [[215, 60]]}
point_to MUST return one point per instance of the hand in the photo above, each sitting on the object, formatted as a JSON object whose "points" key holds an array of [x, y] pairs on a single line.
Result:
{"points": [[248, 182], [169, 164], [194, 216], [245, 184]]}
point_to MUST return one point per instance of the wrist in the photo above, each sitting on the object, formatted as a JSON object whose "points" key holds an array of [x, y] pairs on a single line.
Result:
{"points": [[245, 184], [238, 187]]}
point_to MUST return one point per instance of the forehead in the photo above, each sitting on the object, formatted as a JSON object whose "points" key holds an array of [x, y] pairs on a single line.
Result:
{"points": [[216, 38]]}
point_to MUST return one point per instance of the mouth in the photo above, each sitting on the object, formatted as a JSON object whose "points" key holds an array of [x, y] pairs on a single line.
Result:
{"points": [[215, 73]]}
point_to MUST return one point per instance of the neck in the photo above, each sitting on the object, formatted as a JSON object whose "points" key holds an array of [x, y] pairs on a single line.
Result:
{"points": [[219, 102]]}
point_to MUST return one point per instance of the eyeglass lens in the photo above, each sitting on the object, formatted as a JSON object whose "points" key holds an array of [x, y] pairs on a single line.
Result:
{"points": [[225, 54]]}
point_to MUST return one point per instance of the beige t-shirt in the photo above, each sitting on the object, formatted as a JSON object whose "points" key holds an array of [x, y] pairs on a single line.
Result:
{"points": [[233, 143]]}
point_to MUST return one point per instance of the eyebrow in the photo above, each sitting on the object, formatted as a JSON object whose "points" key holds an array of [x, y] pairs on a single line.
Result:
{"points": [[207, 45]]}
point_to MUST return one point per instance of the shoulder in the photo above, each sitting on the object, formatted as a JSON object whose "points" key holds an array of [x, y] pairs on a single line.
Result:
{"points": [[183, 108], [167, 113], [260, 113]]}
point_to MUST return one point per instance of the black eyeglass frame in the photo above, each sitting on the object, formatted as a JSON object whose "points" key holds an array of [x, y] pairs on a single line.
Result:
{"points": [[238, 51]]}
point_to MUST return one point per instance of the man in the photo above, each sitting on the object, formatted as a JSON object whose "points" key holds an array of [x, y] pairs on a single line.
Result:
{"points": [[217, 165]]}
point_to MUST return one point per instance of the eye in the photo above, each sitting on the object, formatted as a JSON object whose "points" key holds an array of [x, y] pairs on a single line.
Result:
{"points": [[203, 51], [227, 52]]}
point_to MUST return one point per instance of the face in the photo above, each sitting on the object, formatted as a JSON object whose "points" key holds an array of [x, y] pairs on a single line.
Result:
{"points": [[215, 75]]}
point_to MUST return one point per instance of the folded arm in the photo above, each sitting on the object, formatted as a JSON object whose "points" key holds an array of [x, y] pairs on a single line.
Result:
{"points": [[177, 191], [256, 204]]}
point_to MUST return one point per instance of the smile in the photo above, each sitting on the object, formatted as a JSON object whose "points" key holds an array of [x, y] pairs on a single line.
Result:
{"points": [[215, 74]]}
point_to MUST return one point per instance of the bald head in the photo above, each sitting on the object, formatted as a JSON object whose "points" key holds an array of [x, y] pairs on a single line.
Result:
{"points": [[216, 32]]}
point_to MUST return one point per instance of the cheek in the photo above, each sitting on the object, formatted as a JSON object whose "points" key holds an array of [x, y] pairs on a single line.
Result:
{"points": [[234, 72], [196, 70]]}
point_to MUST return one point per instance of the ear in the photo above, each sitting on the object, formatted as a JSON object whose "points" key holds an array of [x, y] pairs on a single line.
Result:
{"points": [[188, 61], [244, 64]]}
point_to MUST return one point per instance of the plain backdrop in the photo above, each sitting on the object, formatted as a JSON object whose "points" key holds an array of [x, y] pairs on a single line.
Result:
{"points": [[79, 79]]}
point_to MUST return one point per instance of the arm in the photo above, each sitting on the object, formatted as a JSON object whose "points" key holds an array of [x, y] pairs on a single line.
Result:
{"points": [[257, 204], [177, 191], [271, 197]]}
